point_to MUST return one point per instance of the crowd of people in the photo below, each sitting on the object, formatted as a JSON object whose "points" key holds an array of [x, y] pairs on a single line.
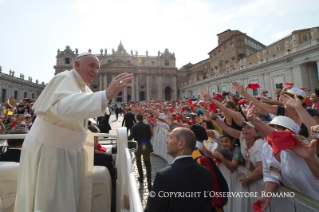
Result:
{"points": [[276, 139], [15, 117]]}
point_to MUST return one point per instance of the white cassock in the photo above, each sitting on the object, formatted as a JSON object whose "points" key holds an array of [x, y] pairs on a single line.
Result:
{"points": [[56, 164]]}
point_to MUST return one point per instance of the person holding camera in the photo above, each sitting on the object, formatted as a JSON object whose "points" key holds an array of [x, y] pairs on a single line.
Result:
{"points": [[24, 106]]}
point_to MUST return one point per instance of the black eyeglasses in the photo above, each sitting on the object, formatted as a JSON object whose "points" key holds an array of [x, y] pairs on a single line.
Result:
{"points": [[228, 106]]}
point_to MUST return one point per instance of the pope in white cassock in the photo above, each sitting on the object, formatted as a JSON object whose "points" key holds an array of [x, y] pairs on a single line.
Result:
{"points": [[56, 163]]}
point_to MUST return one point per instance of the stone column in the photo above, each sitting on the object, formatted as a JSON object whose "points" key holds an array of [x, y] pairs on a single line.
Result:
{"points": [[160, 87], [101, 81], [133, 89], [105, 81], [175, 88], [136, 89], [148, 87]]}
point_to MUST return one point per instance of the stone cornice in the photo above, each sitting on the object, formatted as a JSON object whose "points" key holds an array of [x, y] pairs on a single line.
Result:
{"points": [[263, 65], [8, 78]]}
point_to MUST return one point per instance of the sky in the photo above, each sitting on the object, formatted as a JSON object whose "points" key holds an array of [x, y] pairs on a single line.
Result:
{"points": [[31, 31]]}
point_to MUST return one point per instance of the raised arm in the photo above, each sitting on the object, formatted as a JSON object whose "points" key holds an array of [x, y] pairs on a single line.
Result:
{"points": [[269, 108], [263, 128], [230, 165], [235, 115], [308, 153], [230, 131], [2, 128], [208, 118], [302, 112]]}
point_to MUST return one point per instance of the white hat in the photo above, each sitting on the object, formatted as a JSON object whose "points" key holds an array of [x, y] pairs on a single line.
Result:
{"points": [[83, 54], [249, 124], [242, 123], [297, 91], [286, 122]]}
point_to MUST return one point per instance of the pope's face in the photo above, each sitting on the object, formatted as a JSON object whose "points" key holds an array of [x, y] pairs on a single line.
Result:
{"points": [[88, 67]]}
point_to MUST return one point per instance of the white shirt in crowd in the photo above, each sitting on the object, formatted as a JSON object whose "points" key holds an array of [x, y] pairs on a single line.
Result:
{"points": [[295, 173], [254, 151], [162, 124]]}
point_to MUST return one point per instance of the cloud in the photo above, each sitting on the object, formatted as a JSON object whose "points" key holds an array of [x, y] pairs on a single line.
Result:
{"points": [[262, 8], [279, 35], [248, 30]]}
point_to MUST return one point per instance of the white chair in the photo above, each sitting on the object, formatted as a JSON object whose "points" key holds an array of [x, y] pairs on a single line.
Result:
{"points": [[102, 190], [8, 185]]}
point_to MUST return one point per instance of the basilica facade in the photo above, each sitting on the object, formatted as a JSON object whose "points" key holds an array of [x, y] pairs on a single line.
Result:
{"points": [[154, 76]]}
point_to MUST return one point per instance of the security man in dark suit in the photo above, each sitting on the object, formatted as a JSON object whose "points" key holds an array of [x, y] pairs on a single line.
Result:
{"points": [[141, 133], [184, 185], [117, 110], [14, 152], [128, 120]]}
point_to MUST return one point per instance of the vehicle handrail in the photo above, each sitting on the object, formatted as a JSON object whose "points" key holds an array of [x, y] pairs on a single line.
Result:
{"points": [[135, 200], [21, 136], [126, 182]]}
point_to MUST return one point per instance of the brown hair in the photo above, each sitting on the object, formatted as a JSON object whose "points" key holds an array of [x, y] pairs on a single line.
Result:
{"points": [[230, 103]]}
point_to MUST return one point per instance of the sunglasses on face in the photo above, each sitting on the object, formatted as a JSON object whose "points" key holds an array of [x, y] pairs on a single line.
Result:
{"points": [[227, 106]]}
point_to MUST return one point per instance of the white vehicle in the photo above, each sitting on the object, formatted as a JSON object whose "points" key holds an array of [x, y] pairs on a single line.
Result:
{"points": [[102, 185]]}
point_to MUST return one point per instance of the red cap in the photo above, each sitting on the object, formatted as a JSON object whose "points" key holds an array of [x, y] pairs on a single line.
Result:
{"points": [[308, 101], [218, 96], [243, 101]]}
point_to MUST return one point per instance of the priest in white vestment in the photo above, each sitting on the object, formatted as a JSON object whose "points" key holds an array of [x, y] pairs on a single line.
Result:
{"points": [[56, 163]]}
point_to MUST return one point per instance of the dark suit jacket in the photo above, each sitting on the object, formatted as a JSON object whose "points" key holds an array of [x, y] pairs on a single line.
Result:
{"points": [[128, 120], [11, 155], [104, 125], [117, 110], [142, 135], [105, 159], [184, 175]]}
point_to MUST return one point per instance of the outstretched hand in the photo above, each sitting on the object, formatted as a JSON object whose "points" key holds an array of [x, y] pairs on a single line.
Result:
{"points": [[239, 88], [118, 84], [304, 150], [205, 94], [250, 111], [264, 202], [292, 102]]}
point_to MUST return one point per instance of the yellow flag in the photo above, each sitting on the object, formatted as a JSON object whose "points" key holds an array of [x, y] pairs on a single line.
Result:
{"points": [[140, 60], [163, 132]]}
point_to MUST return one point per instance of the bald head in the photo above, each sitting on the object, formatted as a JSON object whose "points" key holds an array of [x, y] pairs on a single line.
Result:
{"points": [[187, 135]]}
